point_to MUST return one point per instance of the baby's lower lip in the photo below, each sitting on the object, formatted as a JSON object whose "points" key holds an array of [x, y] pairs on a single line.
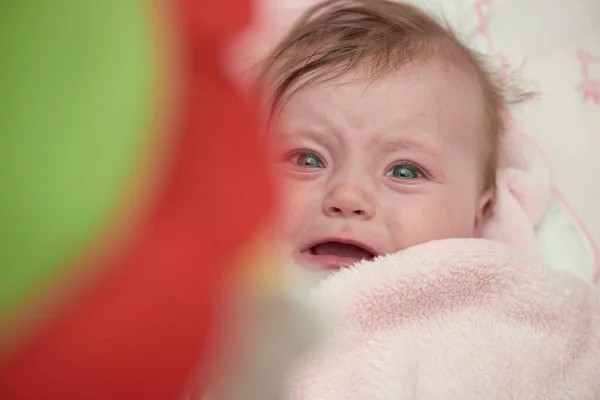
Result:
{"points": [[327, 261]]}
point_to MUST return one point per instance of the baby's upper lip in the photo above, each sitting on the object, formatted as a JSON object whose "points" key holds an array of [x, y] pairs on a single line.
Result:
{"points": [[346, 240]]}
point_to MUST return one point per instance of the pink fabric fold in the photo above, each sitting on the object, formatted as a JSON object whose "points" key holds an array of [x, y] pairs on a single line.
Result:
{"points": [[456, 319], [524, 189]]}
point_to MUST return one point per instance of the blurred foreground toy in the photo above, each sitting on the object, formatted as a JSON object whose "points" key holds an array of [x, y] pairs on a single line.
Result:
{"points": [[132, 184], [278, 321]]}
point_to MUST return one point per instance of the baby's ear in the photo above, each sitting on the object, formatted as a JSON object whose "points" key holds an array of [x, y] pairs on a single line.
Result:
{"points": [[484, 210]]}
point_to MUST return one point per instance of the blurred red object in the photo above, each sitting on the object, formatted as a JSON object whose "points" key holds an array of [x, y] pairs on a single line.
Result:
{"points": [[139, 330]]}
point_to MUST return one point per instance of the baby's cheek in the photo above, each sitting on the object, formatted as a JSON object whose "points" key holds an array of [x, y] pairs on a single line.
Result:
{"points": [[459, 210], [298, 204], [429, 217], [456, 217]]}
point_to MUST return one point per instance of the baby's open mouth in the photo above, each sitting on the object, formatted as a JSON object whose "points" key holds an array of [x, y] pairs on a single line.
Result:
{"points": [[341, 250], [335, 254]]}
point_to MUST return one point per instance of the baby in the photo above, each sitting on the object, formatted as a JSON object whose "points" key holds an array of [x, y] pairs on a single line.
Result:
{"points": [[385, 133]]}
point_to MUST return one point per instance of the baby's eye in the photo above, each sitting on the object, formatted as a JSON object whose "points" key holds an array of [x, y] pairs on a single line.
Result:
{"points": [[405, 172], [309, 160]]}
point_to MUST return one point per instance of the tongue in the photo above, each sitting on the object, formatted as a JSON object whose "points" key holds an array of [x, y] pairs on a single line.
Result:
{"points": [[342, 250]]}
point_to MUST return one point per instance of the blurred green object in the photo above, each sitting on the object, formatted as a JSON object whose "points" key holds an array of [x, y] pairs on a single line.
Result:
{"points": [[75, 95]]}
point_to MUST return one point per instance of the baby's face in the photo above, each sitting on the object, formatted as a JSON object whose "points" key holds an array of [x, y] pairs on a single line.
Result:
{"points": [[373, 167]]}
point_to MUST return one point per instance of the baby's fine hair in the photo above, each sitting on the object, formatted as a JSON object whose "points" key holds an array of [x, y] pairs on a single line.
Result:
{"points": [[377, 37]]}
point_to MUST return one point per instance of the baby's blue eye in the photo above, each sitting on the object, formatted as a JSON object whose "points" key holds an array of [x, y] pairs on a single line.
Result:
{"points": [[405, 172], [308, 160]]}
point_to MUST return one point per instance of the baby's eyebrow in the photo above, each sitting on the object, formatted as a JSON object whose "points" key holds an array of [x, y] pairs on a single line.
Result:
{"points": [[313, 134], [420, 145]]}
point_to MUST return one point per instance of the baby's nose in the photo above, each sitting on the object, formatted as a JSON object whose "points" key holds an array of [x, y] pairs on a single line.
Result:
{"points": [[349, 201]]}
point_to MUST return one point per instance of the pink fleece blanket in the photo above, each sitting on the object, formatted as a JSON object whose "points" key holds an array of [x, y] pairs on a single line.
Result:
{"points": [[456, 319]]}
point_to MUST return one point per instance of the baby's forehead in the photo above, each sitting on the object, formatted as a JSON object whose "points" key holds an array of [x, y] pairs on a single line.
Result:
{"points": [[406, 88], [438, 59], [427, 101]]}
